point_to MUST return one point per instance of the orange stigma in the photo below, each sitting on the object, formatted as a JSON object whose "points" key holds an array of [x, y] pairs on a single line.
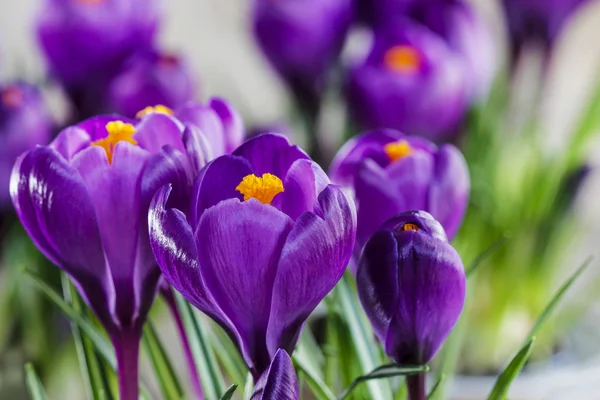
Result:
{"points": [[404, 59], [409, 227], [159, 109], [12, 97], [397, 150], [263, 189], [118, 131]]}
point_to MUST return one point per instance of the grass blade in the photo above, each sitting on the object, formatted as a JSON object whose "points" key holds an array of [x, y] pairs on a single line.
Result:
{"points": [[436, 386], [385, 371], [229, 393], [312, 377], [503, 382], [34, 386], [485, 254]]}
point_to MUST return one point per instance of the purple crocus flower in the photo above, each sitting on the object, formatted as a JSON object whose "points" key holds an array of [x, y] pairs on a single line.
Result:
{"points": [[412, 81], [411, 283], [302, 40], [148, 79], [391, 173], [84, 201], [87, 39], [264, 220], [538, 21], [24, 123], [279, 382]]}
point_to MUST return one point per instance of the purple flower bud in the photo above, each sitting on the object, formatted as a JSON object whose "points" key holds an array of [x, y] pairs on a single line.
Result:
{"points": [[24, 123], [391, 173], [150, 79], [302, 39], [411, 283], [412, 80], [264, 220], [538, 21], [84, 40], [279, 382]]}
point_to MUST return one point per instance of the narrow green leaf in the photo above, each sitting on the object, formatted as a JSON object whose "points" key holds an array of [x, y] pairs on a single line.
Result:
{"points": [[164, 371], [34, 386], [312, 377], [385, 371], [436, 386], [227, 355], [229, 393], [488, 252], [366, 347], [503, 382], [402, 392], [248, 387], [208, 369]]}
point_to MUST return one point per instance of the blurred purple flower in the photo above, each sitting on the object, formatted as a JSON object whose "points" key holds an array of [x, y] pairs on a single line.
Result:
{"points": [[264, 220], [411, 283], [392, 173], [412, 80], [84, 201], [279, 382], [24, 123], [87, 40], [537, 21], [148, 79]]}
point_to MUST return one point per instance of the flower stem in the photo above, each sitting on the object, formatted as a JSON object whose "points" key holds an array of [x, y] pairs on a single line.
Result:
{"points": [[416, 386], [127, 349], [187, 348]]}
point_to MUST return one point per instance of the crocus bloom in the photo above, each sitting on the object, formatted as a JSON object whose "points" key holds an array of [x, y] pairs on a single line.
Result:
{"points": [[24, 123], [266, 239], [279, 382], [392, 173], [302, 39], [412, 81], [85, 39], [84, 201], [538, 21], [148, 79], [411, 284]]}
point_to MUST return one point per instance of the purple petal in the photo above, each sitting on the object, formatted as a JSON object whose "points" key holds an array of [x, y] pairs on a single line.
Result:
{"points": [[270, 153], [449, 193], [156, 130], [411, 177], [96, 126], [55, 208], [217, 182], [233, 125], [70, 141], [314, 259], [197, 148], [279, 382], [305, 179], [207, 120], [377, 281], [239, 246]]}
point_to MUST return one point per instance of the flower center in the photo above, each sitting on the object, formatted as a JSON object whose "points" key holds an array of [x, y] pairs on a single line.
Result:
{"points": [[403, 59], [118, 131], [409, 227], [12, 97], [263, 189], [159, 109], [397, 150]]}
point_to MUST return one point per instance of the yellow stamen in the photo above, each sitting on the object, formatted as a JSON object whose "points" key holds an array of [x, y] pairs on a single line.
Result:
{"points": [[159, 109], [12, 97], [397, 150], [403, 59], [263, 189], [409, 227], [118, 131]]}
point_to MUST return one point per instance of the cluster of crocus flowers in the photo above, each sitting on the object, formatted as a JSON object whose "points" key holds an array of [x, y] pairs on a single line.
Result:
{"points": [[411, 283], [262, 221], [390, 173]]}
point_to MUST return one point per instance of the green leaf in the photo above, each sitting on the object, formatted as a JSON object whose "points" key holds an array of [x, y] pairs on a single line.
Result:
{"points": [[229, 393], [164, 371], [312, 377], [228, 356], [503, 382], [208, 369], [385, 371], [496, 245], [436, 386], [366, 347], [34, 386]]}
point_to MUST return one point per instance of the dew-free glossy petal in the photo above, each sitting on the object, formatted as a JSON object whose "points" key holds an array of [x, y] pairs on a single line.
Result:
{"points": [[156, 130], [279, 382]]}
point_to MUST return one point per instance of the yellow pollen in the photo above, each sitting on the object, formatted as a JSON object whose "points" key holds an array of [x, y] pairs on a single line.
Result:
{"points": [[402, 59], [409, 227], [118, 131], [263, 189], [397, 150], [159, 109]]}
